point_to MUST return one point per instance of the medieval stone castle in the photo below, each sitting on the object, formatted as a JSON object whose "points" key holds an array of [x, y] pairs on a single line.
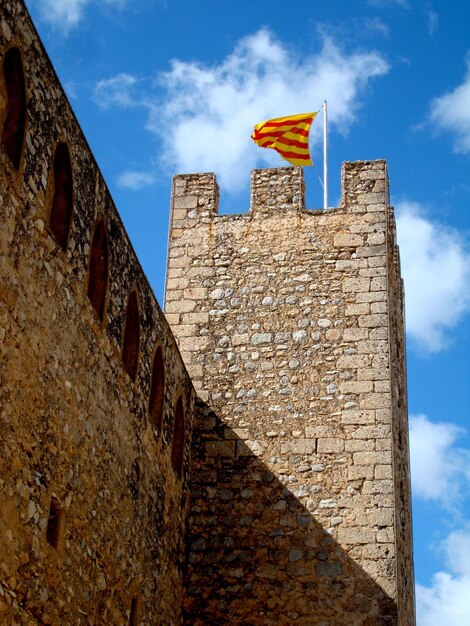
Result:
{"points": [[241, 459]]}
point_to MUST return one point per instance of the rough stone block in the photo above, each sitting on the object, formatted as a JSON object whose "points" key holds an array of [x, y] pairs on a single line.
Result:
{"points": [[185, 202], [355, 334], [375, 401], [377, 486], [329, 446], [220, 448], [372, 251], [360, 471], [355, 536], [379, 283], [180, 306], [372, 198], [356, 285], [358, 417], [383, 517], [372, 321], [354, 361], [356, 387], [383, 471], [372, 432], [357, 309], [195, 293], [330, 570], [359, 445], [347, 240], [194, 344], [372, 458], [195, 318], [300, 446], [373, 373]]}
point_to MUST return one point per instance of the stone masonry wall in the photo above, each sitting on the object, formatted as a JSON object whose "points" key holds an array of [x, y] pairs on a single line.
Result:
{"points": [[290, 324], [92, 504], [400, 443]]}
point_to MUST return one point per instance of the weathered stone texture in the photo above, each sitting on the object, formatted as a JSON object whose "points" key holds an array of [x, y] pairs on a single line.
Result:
{"points": [[75, 433], [290, 324], [299, 475]]}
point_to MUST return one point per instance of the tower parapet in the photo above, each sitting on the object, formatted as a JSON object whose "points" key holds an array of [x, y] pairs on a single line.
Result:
{"points": [[277, 189]]}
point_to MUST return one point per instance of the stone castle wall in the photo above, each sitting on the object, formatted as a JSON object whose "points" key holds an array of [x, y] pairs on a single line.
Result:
{"points": [[95, 429], [290, 324], [400, 443], [293, 458]]}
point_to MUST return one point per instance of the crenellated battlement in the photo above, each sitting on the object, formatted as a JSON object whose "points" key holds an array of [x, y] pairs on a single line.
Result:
{"points": [[195, 197], [280, 188]]}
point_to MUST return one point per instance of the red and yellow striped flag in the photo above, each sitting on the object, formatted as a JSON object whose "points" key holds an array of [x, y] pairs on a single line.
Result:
{"points": [[288, 136]]}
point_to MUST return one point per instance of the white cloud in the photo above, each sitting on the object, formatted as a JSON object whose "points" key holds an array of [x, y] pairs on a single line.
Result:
{"points": [[451, 112], [117, 91], [135, 180], [204, 115], [438, 467], [374, 24], [436, 271], [433, 19], [457, 547], [380, 4], [440, 473], [65, 14], [447, 600], [211, 110], [70, 89]]}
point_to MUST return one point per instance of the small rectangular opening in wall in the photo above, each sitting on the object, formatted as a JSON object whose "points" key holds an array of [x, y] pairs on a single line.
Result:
{"points": [[134, 613], [55, 523]]}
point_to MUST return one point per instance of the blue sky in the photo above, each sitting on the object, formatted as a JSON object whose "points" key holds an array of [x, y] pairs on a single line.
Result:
{"points": [[175, 86]]}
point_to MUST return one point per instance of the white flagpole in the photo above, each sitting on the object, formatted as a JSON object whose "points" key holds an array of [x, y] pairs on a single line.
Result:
{"points": [[325, 155]]}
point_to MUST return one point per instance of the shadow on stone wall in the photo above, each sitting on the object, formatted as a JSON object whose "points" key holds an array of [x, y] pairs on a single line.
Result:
{"points": [[256, 555]]}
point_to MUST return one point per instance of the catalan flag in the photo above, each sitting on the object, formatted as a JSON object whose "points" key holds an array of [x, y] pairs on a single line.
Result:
{"points": [[288, 136]]}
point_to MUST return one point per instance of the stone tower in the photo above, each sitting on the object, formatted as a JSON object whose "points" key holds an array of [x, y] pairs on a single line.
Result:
{"points": [[290, 323]]}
